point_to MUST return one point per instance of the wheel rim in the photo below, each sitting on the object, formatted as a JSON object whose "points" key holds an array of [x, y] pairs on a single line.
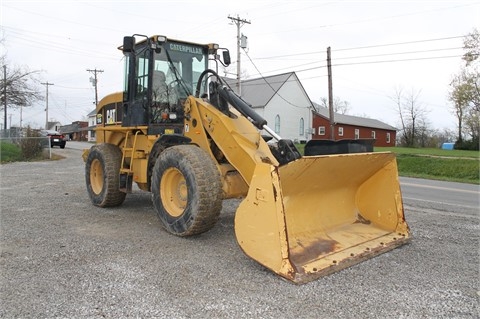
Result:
{"points": [[173, 192], [96, 176]]}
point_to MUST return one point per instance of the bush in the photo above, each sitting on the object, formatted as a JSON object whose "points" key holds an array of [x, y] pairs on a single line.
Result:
{"points": [[31, 145], [471, 145]]}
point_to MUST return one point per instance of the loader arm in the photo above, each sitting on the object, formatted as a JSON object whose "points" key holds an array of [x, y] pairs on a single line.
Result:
{"points": [[239, 141]]}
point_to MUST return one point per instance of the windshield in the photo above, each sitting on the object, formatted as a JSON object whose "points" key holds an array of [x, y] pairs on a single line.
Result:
{"points": [[188, 61]]}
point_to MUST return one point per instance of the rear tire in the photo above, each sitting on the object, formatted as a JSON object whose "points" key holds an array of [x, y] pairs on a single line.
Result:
{"points": [[186, 190], [102, 175]]}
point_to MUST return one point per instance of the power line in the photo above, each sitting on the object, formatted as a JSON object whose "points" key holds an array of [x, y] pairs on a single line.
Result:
{"points": [[61, 109], [399, 60], [61, 19], [368, 62], [247, 83], [31, 33], [72, 88], [275, 91], [399, 15], [362, 47], [400, 43], [58, 47], [397, 53], [367, 20], [295, 66]]}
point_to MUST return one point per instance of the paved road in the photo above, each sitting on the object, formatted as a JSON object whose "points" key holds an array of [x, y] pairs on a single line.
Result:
{"points": [[62, 257], [446, 194]]}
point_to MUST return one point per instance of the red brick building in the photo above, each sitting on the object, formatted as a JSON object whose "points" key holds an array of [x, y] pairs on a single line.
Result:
{"points": [[351, 127], [75, 131]]}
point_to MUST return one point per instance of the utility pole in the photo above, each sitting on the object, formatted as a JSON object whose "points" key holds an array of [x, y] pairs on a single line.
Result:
{"points": [[5, 96], [21, 116], [94, 82], [46, 108], [239, 22], [330, 95]]}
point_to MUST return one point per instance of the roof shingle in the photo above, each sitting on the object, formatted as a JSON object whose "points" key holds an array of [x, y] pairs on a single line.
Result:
{"points": [[353, 120]]}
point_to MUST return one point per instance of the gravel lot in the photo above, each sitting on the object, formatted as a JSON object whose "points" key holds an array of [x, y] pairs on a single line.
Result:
{"points": [[63, 257]]}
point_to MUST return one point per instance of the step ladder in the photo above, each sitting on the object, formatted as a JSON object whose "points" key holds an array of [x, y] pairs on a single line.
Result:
{"points": [[126, 171]]}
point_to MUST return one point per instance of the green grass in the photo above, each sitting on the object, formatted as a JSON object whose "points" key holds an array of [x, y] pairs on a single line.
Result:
{"points": [[429, 152], [301, 148], [432, 163], [9, 152], [447, 169]]}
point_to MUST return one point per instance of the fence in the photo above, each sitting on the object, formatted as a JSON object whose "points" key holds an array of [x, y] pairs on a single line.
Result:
{"points": [[25, 142]]}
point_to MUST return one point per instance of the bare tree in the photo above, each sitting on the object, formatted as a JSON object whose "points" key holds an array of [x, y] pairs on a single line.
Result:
{"points": [[412, 114], [339, 106], [424, 133], [18, 85]]}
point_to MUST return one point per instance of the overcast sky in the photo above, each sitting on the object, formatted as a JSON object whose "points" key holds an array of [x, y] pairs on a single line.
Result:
{"points": [[377, 46]]}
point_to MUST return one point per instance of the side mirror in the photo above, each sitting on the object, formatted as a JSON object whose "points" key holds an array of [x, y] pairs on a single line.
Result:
{"points": [[226, 57], [128, 44]]}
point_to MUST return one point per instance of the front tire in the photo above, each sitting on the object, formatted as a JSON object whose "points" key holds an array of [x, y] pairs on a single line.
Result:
{"points": [[102, 175], [186, 190]]}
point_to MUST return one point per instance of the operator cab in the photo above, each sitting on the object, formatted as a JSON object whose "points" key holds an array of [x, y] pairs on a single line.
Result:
{"points": [[160, 74]]}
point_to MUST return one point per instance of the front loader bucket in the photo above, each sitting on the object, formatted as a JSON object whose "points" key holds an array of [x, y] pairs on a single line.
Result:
{"points": [[320, 214]]}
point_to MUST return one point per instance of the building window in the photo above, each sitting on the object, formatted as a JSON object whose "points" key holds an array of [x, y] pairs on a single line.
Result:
{"points": [[388, 138], [321, 130], [340, 131], [357, 133], [277, 124], [302, 127], [373, 134]]}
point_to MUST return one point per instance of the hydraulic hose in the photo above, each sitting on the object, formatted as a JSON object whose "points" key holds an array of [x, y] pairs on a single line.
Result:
{"points": [[243, 107], [237, 102]]}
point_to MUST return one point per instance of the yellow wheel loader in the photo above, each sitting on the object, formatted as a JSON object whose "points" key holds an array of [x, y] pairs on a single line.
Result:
{"points": [[178, 131]]}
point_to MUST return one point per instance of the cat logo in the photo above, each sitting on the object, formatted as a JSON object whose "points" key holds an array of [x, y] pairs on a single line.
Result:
{"points": [[111, 116]]}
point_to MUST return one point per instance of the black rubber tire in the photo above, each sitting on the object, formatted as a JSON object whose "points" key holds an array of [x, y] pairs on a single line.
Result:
{"points": [[186, 190], [102, 175]]}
